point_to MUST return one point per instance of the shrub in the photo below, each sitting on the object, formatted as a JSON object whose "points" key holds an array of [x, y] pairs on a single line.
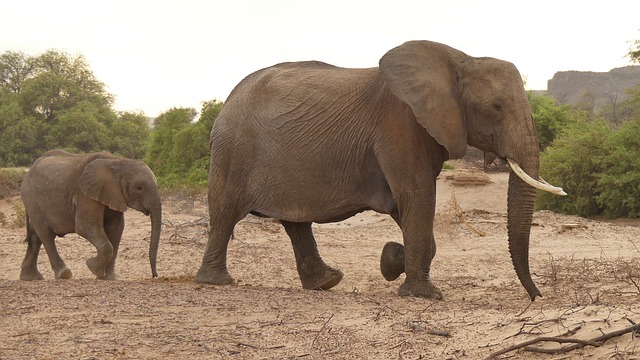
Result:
{"points": [[574, 162], [598, 167], [619, 180], [549, 117]]}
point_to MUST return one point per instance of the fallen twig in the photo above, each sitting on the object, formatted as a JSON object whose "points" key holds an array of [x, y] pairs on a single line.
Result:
{"points": [[198, 222], [577, 343], [438, 332], [474, 229], [321, 329]]}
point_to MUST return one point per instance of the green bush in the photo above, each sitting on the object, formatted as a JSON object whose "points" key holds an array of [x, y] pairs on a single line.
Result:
{"points": [[619, 179], [179, 149], [549, 117], [573, 162], [598, 167]]}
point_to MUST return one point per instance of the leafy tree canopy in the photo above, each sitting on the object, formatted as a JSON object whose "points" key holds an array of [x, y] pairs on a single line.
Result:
{"points": [[53, 100], [549, 117], [179, 149]]}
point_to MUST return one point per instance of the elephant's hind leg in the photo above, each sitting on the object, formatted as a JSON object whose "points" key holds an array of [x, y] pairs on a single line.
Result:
{"points": [[214, 262], [29, 269], [60, 269], [314, 273]]}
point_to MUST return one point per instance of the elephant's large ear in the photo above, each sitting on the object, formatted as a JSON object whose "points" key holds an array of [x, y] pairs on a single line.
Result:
{"points": [[99, 182], [424, 75]]}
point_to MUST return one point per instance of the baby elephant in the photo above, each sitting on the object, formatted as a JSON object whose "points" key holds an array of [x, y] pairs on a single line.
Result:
{"points": [[86, 194]]}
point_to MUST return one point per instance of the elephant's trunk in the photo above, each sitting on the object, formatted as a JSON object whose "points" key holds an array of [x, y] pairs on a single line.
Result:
{"points": [[156, 224], [520, 204]]}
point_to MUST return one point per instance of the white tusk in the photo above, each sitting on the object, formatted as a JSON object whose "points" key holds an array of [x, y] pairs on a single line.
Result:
{"points": [[542, 185]]}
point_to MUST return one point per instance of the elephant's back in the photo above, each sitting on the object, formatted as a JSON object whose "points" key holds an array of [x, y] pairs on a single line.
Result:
{"points": [[56, 166], [289, 91]]}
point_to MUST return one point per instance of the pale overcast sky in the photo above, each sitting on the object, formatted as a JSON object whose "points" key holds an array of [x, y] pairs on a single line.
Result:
{"points": [[156, 54]]}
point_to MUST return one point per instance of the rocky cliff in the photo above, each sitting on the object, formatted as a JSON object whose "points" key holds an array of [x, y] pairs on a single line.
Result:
{"points": [[592, 90]]}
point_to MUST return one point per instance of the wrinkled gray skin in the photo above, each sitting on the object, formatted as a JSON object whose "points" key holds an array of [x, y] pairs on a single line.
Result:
{"points": [[310, 142], [86, 194]]}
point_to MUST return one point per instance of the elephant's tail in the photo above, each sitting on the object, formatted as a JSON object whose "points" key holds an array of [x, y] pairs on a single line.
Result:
{"points": [[30, 234]]}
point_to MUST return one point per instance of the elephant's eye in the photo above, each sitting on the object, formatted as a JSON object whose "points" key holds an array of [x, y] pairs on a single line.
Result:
{"points": [[137, 188], [497, 106]]}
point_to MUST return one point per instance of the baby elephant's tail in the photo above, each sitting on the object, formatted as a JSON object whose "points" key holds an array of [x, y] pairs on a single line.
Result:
{"points": [[30, 235]]}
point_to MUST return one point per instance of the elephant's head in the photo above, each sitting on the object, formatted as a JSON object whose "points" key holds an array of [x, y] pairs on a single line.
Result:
{"points": [[124, 183], [461, 100]]}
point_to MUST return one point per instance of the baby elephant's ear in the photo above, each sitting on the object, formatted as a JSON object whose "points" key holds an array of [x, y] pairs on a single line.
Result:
{"points": [[99, 182], [424, 75]]}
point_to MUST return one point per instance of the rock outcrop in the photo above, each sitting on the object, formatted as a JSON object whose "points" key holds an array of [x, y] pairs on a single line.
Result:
{"points": [[592, 90]]}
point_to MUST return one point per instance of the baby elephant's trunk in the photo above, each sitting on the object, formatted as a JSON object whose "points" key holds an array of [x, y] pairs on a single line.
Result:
{"points": [[156, 224]]}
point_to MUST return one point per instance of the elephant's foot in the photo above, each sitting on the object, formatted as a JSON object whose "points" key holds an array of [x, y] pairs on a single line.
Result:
{"points": [[30, 275], [324, 279], [63, 273], [97, 267], [424, 289], [214, 277], [392, 260]]}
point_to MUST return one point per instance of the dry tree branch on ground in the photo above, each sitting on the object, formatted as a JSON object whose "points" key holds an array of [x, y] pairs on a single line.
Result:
{"points": [[203, 221], [576, 343]]}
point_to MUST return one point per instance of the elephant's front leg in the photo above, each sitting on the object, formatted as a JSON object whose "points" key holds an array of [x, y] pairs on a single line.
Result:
{"points": [[416, 220], [314, 273], [93, 231], [113, 227]]}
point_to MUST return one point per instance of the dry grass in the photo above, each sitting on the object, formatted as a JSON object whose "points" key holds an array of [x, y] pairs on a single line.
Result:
{"points": [[448, 220], [589, 281]]}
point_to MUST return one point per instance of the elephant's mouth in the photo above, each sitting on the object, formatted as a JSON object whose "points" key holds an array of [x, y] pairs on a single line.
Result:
{"points": [[538, 184]]}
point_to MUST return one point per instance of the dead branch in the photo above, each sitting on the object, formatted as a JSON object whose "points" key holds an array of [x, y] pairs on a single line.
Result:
{"points": [[633, 281], [474, 229], [577, 343], [203, 221], [438, 332]]}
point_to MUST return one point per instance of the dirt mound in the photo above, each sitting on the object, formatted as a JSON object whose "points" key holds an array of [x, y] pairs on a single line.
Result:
{"points": [[587, 271]]}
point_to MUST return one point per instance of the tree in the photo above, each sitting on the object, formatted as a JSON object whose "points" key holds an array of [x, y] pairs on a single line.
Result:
{"points": [[129, 135], [179, 149], [79, 129], [53, 100], [15, 67], [166, 126]]}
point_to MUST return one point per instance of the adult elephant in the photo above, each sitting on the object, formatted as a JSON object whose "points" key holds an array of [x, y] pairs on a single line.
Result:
{"points": [[307, 142], [86, 194]]}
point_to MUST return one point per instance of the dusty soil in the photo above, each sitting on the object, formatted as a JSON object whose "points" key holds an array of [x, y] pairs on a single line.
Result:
{"points": [[587, 271]]}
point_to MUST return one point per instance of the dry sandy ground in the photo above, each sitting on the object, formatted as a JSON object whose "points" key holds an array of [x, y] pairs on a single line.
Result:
{"points": [[589, 275]]}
